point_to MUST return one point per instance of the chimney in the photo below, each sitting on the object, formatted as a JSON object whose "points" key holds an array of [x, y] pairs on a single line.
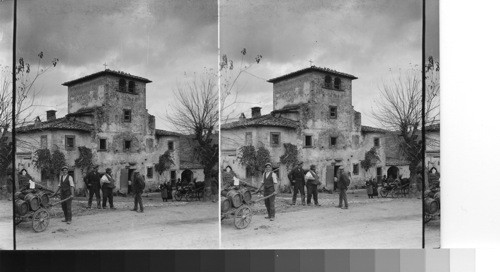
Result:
{"points": [[256, 112], [242, 117], [51, 115], [37, 120]]}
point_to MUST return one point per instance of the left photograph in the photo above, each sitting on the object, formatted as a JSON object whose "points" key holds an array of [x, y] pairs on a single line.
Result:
{"points": [[117, 131]]}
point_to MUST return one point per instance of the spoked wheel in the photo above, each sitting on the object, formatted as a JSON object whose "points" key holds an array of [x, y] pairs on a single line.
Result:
{"points": [[41, 219], [242, 217], [384, 192], [178, 195]]}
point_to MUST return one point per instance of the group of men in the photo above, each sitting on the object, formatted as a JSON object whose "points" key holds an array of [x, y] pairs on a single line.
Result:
{"points": [[300, 178], [96, 183]]}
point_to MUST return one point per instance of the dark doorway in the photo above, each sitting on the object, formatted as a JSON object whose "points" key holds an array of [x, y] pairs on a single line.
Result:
{"points": [[130, 177], [186, 176], [379, 174], [393, 172]]}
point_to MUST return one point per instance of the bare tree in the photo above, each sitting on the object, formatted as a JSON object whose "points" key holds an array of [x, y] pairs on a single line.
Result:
{"points": [[196, 113], [26, 95], [399, 109], [230, 73]]}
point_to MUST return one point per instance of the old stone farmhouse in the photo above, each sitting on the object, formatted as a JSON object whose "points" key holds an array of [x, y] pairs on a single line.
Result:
{"points": [[106, 113], [312, 109]]}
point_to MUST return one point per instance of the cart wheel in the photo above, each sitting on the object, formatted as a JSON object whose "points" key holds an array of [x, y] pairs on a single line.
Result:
{"points": [[242, 217], [384, 192], [41, 219], [178, 196]]}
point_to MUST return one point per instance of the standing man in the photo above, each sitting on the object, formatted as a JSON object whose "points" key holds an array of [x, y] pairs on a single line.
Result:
{"points": [[270, 184], [10, 184], [297, 179], [107, 185], [214, 187], [93, 185], [312, 180], [67, 188], [344, 182], [138, 188]]}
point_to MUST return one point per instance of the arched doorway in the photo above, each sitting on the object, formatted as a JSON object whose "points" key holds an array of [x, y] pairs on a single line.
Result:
{"points": [[393, 172], [186, 176]]}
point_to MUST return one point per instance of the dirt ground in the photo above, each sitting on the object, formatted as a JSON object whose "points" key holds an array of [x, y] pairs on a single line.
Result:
{"points": [[368, 223], [163, 225], [6, 230], [433, 234]]}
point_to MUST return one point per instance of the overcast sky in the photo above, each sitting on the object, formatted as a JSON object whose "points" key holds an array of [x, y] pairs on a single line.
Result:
{"points": [[165, 41], [368, 39]]}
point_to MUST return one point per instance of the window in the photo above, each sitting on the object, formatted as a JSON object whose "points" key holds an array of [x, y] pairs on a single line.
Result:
{"points": [[122, 85], [173, 176], [149, 172], [275, 138], [103, 144], [131, 87], [70, 142], [308, 141], [127, 144], [170, 145], [248, 138], [333, 141], [127, 115], [328, 82], [336, 83], [355, 169], [333, 112], [43, 142], [376, 142]]}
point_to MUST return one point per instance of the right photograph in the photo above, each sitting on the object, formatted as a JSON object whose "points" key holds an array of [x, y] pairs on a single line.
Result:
{"points": [[321, 124]]}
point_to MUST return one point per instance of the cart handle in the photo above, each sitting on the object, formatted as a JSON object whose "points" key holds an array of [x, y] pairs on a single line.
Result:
{"points": [[61, 201], [262, 198]]}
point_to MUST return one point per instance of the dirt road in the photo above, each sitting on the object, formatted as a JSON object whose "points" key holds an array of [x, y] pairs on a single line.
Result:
{"points": [[162, 226], [368, 223], [433, 234], [6, 230]]}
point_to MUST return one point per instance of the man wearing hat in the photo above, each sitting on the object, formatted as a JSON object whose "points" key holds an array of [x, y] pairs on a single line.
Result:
{"points": [[344, 182], [67, 188], [107, 185], [270, 184], [297, 179], [93, 185]]}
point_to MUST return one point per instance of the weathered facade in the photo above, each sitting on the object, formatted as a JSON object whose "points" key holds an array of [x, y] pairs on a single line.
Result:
{"points": [[106, 113], [312, 109]]}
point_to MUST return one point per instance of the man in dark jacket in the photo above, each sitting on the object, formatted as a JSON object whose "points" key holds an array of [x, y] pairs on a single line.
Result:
{"points": [[297, 181], [138, 188], [344, 182], [92, 180]]}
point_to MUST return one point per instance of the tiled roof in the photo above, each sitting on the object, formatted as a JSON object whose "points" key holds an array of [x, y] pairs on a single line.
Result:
{"points": [[104, 73], [433, 128], [161, 132], [262, 121], [396, 162], [311, 69], [57, 124], [367, 129], [83, 111]]}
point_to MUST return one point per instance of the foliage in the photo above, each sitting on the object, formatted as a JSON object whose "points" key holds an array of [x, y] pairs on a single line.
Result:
{"points": [[254, 160], [84, 161], [371, 159], [164, 163], [50, 163], [262, 157], [290, 157], [248, 158]]}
